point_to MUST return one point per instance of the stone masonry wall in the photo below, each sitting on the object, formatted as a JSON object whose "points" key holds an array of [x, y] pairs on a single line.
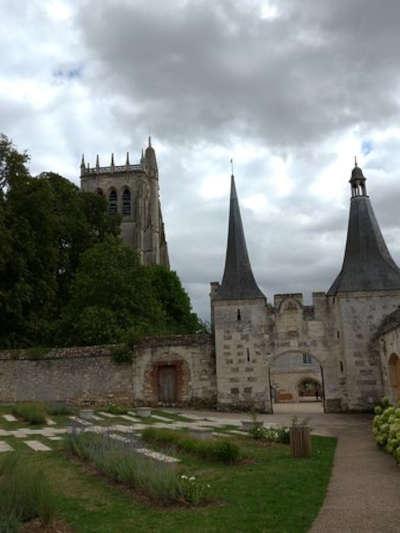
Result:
{"points": [[90, 376], [388, 345], [240, 336], [360, 315]]}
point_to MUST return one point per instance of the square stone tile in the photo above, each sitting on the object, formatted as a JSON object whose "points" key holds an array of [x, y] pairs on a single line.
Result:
{"points": [[5, 447], [37, 446], [10, 418]]}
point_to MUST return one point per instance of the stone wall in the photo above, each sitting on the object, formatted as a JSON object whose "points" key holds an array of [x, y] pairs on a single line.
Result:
{"points": [[90, 376], [240, 338], [388, 345], [358, 318]]}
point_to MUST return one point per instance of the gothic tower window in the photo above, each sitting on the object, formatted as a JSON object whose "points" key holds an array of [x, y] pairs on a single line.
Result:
{"points": [[99, 191], [126, 202], [112, 202]]}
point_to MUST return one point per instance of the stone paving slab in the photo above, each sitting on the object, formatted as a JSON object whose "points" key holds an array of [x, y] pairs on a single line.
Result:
{"points": [[50, 422], [55, 437], [162, 418], [128, 429], [10, 418], [5, 447], [158, 456], [80, 420], [107, 415], [130, 418], [37, 446]]}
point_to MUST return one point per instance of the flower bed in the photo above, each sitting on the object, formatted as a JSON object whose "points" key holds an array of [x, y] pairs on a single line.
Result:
{"points": [[214, 450], [279, 434], [24, 494], [386, 428], [121, 463]]}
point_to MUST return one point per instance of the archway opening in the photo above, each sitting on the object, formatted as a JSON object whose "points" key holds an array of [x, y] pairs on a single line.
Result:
{"points": [[296, 384], [394, 376]]}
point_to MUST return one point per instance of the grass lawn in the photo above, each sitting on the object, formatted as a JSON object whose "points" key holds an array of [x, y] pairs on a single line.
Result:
{"points": [[272, 493]]}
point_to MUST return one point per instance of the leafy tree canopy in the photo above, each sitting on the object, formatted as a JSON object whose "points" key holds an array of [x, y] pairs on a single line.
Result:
{"points": [[65, 276]]}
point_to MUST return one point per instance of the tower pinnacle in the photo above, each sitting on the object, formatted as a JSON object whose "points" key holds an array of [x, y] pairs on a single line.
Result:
{"points": [[238, 281], [367, 264]]}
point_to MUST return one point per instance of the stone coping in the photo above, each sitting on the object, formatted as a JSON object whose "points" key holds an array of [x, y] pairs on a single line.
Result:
{"points": [[102, 351]]}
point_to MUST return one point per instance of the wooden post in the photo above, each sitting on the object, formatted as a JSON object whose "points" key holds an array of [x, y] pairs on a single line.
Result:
{"points": [[300, 441]]}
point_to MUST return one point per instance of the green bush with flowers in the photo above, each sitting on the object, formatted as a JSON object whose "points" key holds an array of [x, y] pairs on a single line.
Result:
{"points": [[386, 427]]}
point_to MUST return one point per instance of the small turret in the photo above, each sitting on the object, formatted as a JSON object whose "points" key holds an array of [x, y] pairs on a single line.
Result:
{"points": [[83, 167], [97, 162], [357, 181], [112, 160], [150, 160], [127, 159]]}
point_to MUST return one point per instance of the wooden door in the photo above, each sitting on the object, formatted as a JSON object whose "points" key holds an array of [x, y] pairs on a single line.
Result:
{"points": [[167, 385]]}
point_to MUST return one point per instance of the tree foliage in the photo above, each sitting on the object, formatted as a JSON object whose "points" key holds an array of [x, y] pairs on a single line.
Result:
{"points": [[65, 277]]}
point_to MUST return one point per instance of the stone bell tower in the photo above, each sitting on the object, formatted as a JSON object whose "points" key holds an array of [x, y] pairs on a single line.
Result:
{"points": [[132, 190], [239, 324]]}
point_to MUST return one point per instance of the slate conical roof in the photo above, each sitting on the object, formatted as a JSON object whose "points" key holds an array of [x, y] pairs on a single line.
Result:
{"points": [[238, 281], [367, 265]]}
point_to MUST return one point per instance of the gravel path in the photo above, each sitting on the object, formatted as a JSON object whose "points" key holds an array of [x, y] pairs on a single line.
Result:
{"points": [[364, 491]]}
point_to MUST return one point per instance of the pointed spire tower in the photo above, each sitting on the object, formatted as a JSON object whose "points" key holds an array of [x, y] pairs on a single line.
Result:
{"points": [[238, 282], [367, 265]]}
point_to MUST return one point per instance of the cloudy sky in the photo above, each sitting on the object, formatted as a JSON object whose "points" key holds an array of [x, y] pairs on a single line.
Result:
{"points": [[291, 89]]}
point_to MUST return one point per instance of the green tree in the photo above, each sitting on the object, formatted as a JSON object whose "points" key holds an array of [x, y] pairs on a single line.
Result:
{"points": [[113, 290], [174, 301], [114, 299], [46, 223]]}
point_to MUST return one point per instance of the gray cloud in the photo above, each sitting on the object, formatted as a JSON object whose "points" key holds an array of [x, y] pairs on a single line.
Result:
{"points": [[285, 95], [198, 69]]}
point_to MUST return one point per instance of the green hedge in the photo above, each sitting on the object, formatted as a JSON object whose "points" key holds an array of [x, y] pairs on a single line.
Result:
{"points": [[34, 413], [157, 480], [214, 450], [386, 428]]}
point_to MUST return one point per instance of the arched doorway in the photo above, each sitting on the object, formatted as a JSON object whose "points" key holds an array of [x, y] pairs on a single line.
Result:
{"points": [[309, 389], [296, 383], [394, 376]]}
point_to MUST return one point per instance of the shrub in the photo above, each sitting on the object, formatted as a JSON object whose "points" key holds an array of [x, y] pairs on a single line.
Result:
{"points": [[121, 463], [122, 354], [60, 409], [214, 450], [115, 409], [386, 428], [24, 494], [34, 413]]}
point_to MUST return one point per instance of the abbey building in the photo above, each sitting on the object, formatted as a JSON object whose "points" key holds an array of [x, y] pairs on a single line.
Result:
{"points": [[344, 348], [132, 190]]}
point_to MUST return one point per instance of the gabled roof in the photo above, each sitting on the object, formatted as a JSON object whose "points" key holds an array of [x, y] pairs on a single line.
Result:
{"points": [[367, 264], [238, 281]]}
